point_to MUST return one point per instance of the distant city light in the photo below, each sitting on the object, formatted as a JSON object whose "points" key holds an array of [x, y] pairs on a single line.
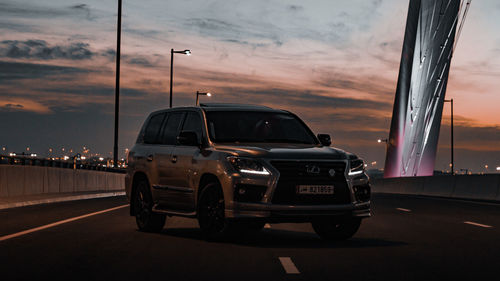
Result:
{"points": [[66, 157], [498, 168], [13, 154], [83, 157], [101, 159], [33, 155]]}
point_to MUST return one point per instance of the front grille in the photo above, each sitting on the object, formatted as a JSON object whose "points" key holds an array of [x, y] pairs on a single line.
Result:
{"points": [[293, 173]]}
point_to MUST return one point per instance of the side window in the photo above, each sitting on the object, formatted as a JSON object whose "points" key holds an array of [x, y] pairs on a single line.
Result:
{"points": [[152, 131], [193, 124], [171, 128]]}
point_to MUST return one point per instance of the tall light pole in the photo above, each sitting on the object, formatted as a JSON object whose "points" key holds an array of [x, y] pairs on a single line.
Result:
{"points": [[117, 85], [452, 159], [172, 52], [386, 144], [198, 94]]}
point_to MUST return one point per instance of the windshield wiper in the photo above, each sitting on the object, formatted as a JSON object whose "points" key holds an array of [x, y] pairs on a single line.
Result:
{"points": [[287, 141]]}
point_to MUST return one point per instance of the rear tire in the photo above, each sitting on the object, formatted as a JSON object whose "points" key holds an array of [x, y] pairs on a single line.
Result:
{"points": [[336, 229], [146, 219]]}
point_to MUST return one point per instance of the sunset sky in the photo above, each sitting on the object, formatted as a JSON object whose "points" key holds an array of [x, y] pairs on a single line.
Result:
{"points": [[334, 63]]}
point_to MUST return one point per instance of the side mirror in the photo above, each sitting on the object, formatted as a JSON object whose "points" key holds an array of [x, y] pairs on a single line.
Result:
{"points": [[189, 138], [325, 139]]}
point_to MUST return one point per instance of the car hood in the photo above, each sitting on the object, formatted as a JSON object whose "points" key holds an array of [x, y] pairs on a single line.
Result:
{"points": [[283, 151]]}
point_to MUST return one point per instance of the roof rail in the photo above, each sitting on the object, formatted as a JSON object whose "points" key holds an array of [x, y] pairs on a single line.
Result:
{"points": [[233, 105]]}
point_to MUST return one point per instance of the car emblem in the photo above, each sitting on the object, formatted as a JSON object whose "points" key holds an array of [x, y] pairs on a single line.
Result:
{"points": [[331, 172], [312, 169]]}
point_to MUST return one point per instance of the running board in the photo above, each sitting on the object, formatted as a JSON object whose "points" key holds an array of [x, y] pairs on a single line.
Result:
{"points": [[173, 213]]}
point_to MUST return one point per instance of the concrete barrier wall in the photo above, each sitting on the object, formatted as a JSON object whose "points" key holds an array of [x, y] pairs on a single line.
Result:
{"points": [[31, 180], [477, 187]]}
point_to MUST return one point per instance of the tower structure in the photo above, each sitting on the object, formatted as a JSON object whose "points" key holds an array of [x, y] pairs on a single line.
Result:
{"points": [[429, 41]]}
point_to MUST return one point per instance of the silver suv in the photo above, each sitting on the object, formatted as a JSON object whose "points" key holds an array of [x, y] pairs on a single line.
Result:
{"points": [[239, 167]]}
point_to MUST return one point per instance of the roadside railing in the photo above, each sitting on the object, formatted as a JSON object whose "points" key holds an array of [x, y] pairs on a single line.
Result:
{"points": [[65, 164]]}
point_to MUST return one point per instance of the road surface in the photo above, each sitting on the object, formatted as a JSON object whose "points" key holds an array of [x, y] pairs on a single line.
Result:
{"points": [[408, 238]]}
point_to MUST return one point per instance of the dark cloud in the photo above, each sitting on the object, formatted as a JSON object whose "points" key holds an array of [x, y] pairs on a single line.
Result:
{"points": [[301, 99], [29, 11], [18, 27], [14, 106], [40, 49], [10, 71], [295, 8], [237, 33], [85, 9], [367, 85]]}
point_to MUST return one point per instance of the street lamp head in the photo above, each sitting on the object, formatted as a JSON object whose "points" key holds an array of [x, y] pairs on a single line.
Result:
{"points": [[379, 140], [187, 52], [198, 94]]}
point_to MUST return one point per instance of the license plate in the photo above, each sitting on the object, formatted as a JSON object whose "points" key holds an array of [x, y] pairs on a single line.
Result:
{"points": [[315, 189]]}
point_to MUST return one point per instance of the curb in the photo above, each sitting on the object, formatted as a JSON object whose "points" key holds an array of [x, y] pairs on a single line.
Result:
{"points": [[60, 199]]}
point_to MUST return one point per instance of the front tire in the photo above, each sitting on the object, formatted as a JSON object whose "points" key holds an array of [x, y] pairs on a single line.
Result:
{"points": [[211, 217], [146, 219], [336, 229]]}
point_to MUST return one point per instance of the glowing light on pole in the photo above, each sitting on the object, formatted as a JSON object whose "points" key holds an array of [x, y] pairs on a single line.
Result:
{"points": [[198, 94]]}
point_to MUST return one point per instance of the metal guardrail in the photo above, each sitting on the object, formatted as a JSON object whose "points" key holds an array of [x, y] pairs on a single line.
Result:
{"points": [[68, 164]]}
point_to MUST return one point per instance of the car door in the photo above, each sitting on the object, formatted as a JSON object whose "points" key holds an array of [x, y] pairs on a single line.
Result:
{"points": [[186, 163], [163, 157], [150, 147]]}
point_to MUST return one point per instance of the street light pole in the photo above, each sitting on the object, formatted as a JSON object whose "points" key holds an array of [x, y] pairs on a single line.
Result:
{"points": [[386, 144], [172, 52], [171, 73], [117, 85], [452, 158]]}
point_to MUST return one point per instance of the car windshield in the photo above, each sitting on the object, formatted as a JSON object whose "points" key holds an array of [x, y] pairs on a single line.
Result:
{"points": [[255, 126]]}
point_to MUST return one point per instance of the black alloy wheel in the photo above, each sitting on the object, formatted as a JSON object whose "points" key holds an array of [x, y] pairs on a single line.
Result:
{"points": [[146, 219], [211, 217]]}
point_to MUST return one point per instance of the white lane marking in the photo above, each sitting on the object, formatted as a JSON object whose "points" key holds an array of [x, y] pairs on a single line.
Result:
{"points": [[60, 199], [403, 209], [267, 225], [288, 265], [477, 224], [3, 238]]}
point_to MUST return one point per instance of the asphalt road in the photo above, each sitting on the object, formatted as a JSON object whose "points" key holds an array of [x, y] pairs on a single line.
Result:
{"points": [[408, 238]]}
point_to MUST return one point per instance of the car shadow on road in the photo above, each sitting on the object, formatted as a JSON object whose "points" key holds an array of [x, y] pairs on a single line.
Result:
{"points": [[278, 238]]}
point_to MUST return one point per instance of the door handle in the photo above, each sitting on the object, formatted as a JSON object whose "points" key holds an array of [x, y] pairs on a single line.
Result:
{"points": [[174, 159], [150, 158]]}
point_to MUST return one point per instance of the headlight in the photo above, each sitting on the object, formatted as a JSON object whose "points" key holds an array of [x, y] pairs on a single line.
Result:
{"points": [[247, 166], [357, 167]]}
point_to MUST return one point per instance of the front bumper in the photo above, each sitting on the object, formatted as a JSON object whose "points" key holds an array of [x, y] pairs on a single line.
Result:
{"points": [[285, 213]]}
